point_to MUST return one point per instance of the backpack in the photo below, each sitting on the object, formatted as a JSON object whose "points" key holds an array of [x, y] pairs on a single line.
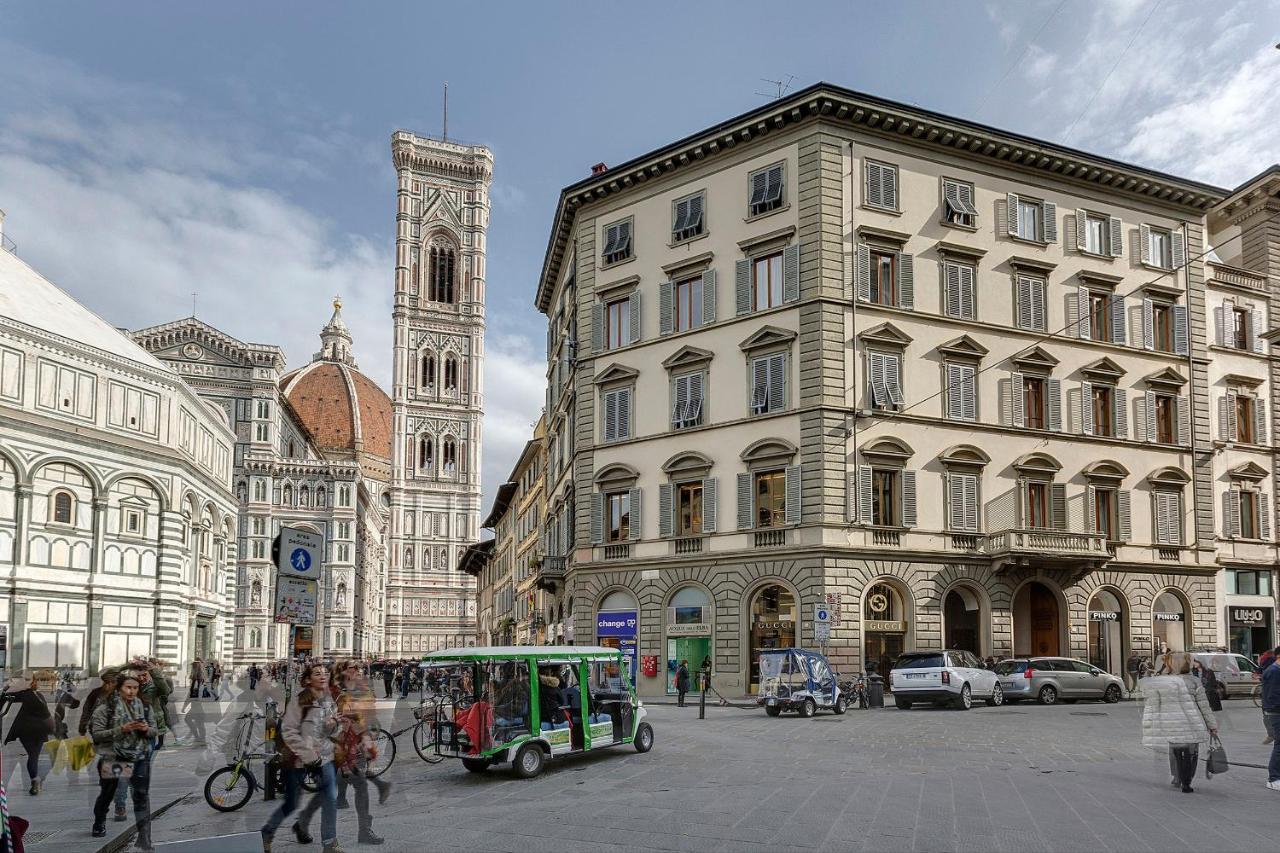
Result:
{"points": [[305, 700]]}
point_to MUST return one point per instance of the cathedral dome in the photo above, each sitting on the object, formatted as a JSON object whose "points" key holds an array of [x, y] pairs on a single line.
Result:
{"points": [[344, 410]]}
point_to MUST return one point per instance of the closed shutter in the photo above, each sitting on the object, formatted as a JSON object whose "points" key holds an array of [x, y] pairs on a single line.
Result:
{"points": [[791, 273], [1049, 213], [1120, 412], [968, 293], [1231, 513], [955, 393], [680, 403], [951, 287], [742, 287], [793, 494], [1017, 400], [1184, 421], [1086, 408], [1259, 420], [1055, 404], [1180, 330], [746, 512], [708, 297], [1123, 501], [906, 282], [1117, 320], [864, 494], [967, 388], [666, 320], [1084, 326], [1257, 330], [1144, 241], [709, 505], [1026, 316], [624, 413], [971, 502], [666, 510], [862, 274], [1264, 516], [566, 531], [955, 502], [611, 416], [1117, 237], [1058, 505], [1011, 214], [909, 498], [1148, 325], [1227, 417], [634, 309], [1179, 251], [1082, 229], [777, 382], [1038, 315], [635, 507], [875, 186], [1147, 417], [597, 518], [597, 328]]}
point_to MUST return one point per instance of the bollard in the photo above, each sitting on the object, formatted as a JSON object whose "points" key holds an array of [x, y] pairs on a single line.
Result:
{"points": [[702, 695], [875, 686]]}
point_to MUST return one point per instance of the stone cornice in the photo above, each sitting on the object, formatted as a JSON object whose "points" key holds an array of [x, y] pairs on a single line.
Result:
{"points": [[890, 119]]}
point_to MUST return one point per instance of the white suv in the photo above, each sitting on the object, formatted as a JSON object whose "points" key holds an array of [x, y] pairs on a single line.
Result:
{"points": [[953, 676]]}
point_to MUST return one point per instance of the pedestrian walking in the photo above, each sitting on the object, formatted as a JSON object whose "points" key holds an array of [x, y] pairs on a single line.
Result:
{"points": [[122, 730], [356, 749], [405, 675], [30, 728], [682, 682], [197, 678], [307, 731], [1212, 688], [388, 675], [255, 675], [1132, 670], [1271, 717], [1176, 717], [65, 698], [96, 695]]}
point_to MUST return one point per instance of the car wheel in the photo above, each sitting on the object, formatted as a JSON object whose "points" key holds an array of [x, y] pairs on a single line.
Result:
{"points": [[1112, 694], [903, 704], [528, 761], [772, 710], [644, 738], [841, 704], [808, 708], [997, 697], [1048, 695], [965, 700], [476, 765]]}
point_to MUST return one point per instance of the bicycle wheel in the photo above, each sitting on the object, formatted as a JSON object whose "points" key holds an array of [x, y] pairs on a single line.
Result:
{"points": [[230, 787], [424, 743], [386, 745], [1256, 694]]}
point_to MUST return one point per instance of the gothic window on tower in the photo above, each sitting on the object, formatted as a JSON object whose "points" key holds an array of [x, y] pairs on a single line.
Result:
{"points": [[428, 378], [450, 375], [440, 269], [426, 458], [449, 457]]}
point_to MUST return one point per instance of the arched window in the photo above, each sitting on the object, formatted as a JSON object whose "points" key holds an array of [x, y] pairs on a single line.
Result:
{"points": [[450, 374], [449, 456], [441, 263], [255, 638], [63, 507], [428, 377], [426, 456]]}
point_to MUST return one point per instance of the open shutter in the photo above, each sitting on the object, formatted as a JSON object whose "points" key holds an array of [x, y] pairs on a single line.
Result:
{"points": [[1055, 404], [777, 382], [1147, 417], [1123, 502], [864, 494], [1017, 399], [1259, 420], [1091, 509], [1257, 330], [1084, 325], [666, 320], [1024, 517], [1148, 325], [709, 505], [862, 274], [634, 300], [906, 281], [746, 512], [851, 495], [1082, 223], [696, 397], [708, 297], [635, 508], [666, 510], [1231, 513], [680, 405], [793, 494], [1058, 505], [1180, 330], [1120, 412], [1086, 408], [1049, 214], [1179, 251], [597, 518], [909, 498], [951, 287], [1011, 214], [791, 273], [597, 328], [742, 287], [1184, 421], [1117, 320], [1264, 516], [1221, 317], [1144, 243], [1117, 237]]}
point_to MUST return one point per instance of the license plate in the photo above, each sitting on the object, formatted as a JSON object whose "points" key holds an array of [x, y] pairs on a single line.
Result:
{"points": [[1010, 684], [917, 675]]}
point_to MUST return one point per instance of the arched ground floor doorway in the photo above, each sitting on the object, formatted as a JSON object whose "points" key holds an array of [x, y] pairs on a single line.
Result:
{"points": [[1108, 630], [1037, 621], [962, 620]]}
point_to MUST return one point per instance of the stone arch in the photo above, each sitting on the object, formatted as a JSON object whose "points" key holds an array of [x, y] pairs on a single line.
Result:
{"points": [[976, 601], [1065, 616], [95, 482], [20, 473], [752, 597]]}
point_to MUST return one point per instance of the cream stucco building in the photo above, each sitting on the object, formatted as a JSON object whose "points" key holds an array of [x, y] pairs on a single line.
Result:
{"points": [[961, 387]]}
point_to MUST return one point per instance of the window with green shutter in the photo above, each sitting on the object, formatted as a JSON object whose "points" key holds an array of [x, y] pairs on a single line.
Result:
{"points": [[687, 217], [765, 190]]}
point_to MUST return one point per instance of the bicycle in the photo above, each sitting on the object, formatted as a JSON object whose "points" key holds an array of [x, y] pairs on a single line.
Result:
{"points": [[1256, 695], [229, 788]]}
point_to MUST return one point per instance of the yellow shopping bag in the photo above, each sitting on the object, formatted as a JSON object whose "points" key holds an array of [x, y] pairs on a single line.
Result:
{"points": [[80, 752], [53, 746]]}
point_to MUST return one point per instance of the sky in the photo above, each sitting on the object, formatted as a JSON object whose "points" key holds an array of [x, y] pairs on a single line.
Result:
{"points": [[240, 151]]}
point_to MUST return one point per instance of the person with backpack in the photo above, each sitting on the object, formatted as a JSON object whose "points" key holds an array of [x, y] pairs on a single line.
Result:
{"points": [[310, 723], [122, 729]]}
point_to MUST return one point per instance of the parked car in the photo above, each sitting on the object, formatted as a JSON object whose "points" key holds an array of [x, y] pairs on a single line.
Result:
{"points": [[954, 677], [1237, 675], [1050, 679]]}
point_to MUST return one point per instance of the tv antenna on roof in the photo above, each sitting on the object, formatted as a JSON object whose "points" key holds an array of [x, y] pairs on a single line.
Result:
{"points": [[444, 132], [780, 86]]}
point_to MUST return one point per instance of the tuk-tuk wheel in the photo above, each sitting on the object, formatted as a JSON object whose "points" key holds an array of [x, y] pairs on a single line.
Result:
{"points": [[808, 707], [528, 761], [841, 704], [644, 738], [773, 710], [476, 765]]}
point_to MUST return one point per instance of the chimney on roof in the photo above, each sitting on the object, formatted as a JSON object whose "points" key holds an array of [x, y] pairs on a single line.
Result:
{"points": [[599, 169]]}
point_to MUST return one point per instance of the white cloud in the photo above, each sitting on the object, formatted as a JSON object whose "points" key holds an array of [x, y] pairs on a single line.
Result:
{"points": [[514, 394]]}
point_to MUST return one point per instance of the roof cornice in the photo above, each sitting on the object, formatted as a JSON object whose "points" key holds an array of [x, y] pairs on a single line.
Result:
{"points": [[824, 101]]}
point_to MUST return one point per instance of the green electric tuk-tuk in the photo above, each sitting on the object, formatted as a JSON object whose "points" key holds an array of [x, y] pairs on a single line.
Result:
{"points": [[524, 704]]}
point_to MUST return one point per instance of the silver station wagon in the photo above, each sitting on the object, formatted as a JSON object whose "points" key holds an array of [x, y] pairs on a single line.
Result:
{"points": [[1051, 680]]}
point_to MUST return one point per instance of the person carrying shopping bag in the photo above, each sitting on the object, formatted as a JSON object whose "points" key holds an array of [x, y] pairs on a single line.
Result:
{"points": [[31, 727], [122, 729], [1176, 717], [356, 749]]}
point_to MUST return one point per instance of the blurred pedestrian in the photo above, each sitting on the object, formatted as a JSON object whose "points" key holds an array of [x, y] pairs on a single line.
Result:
{"points": [[356, 749], [388, 675], [1132, 666], [1176, 717], [682, 682], [1271, 717], [31, 727], [197, 678], [1212, 688], [255, 674], [122, 730]]}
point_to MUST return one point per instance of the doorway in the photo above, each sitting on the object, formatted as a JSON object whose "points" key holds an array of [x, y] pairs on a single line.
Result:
{"points": [[962, 615], [1037, 621], [1107, 629]]}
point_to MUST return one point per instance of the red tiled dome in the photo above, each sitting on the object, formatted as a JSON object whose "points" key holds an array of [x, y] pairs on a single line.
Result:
{"points": [[342, 408]]}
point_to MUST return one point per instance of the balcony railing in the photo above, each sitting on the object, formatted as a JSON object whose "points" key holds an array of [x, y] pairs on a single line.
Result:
{"points": [[966, 541], [551, 568], [1021, 544], [689, 545], [617, 552], [886, 537], [770, 538]]}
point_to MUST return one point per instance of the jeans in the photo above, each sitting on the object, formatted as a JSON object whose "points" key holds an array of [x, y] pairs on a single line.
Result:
{"points": [[140, 784], [325, 799], [142, 767], [1272, 722]]}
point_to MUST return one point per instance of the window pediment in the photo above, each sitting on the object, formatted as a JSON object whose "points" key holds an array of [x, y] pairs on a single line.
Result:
{"points": [[616, 474], [1104, 369], [886, 334], [1037, 463], [687, 356], [1035, 358], [1034, 266], [1166, 379], [883, 236], [1239, 380], [615, 374], [1248, 471], [767, 242], [958, 252], [617, 289], [1102, 278], [1157, 290], [964, 454], [1169, 477], [687, 463], [1106, 469], [891, 450], [688, 266], [768, 450], [963, 347], [767, 336]]}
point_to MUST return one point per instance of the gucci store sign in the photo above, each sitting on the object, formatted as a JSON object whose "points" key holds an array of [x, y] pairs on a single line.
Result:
{"points": [[885, 625], [1249, 617]]}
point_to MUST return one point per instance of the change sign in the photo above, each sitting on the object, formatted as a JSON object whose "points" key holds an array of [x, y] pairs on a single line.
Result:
{"points": [[301, 553]]}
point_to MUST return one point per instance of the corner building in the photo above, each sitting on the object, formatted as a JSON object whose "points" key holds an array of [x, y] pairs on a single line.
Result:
{"points": [[950, 382]]}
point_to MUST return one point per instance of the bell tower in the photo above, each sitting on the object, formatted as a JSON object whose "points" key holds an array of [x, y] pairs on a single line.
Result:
{"points": [[442, 216]]}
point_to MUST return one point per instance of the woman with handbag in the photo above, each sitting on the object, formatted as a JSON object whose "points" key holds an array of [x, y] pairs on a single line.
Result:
{"points": [[122, 729], [1176, 717], [31, 727], [356, 749]]}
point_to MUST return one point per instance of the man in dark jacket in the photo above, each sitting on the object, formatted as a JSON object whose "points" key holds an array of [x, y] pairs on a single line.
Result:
{"points": [[682, 682], [388, 675], [1271, 718]]}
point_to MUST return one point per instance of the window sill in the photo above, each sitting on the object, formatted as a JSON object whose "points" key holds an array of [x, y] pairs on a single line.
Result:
{"points": [[616, 264], [1029, 241], [755, 217], [1226, 350], [945, 223], [675, 244], [888, 211], [1096, 255]]}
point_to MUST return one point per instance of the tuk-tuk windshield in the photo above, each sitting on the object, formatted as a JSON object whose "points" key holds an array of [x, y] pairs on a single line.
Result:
{"points": [[781, 673]]}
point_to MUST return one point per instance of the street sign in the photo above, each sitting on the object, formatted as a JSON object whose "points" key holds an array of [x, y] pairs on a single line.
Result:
{"points": [[301, 553], [822, 614], [296, 600]]}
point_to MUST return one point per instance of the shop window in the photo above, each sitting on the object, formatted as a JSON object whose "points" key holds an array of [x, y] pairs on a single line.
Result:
{"points": [[1169, 623], [1248, 582], [773, 625]]}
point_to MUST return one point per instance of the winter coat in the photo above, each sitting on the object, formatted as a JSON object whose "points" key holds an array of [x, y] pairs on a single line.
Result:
{"points": [[308, 728], [1176, 710], [107, 729], [682, 678], [155, 694], [96, 695], [33, 722], [1271, 689]]}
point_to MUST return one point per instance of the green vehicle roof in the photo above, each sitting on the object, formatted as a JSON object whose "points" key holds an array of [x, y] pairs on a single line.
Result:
{"points": [[530, 652]]}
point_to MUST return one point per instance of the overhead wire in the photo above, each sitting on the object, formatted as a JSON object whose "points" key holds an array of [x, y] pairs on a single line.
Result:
{"points": [[1114, 66]]}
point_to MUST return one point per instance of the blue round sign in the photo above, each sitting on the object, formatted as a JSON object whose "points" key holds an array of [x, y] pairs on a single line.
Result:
{"points": [[300, 559]]}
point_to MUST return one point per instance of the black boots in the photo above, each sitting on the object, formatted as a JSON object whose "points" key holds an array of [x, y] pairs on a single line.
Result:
{"points": [[1184, 760]]}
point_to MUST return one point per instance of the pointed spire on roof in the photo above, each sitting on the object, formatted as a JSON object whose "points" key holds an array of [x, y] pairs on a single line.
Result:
{"points": [[335, 338]]}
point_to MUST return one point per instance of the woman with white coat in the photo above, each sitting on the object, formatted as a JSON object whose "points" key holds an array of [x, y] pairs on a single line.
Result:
{"points": [[1176, 716]]}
